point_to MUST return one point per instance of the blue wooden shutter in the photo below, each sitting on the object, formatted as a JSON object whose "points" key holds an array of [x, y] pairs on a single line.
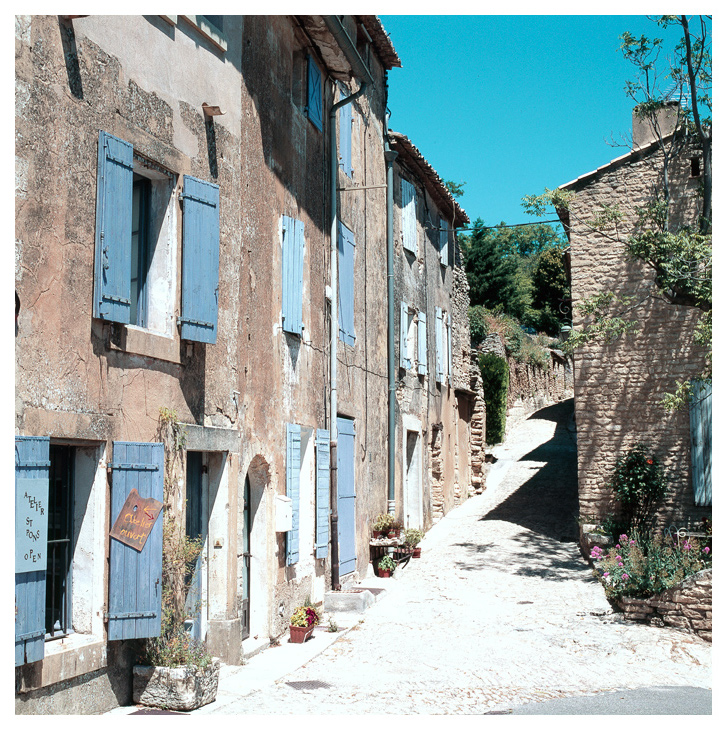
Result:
{"points": [[449, 346], [422, 343], [345, 117], [292, 490], [293, 253], [135, 578], [346, 496], [32, 462], [444, 242], [438, 342], [700, 417], [112, 261], [408, 216], [404, 361], [323, 491], [200, 260], [346, 249], [315, 94]]}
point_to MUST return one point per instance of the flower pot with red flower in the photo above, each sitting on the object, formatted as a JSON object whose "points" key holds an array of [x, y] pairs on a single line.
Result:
{"points": [[302, 623]]}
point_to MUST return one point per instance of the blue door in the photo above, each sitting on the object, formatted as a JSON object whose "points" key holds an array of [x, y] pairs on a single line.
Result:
{"points": [[346, 497]]}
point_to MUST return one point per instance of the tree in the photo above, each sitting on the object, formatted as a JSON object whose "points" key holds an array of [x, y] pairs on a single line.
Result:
{"points": [[679, 253], [456, 189]]}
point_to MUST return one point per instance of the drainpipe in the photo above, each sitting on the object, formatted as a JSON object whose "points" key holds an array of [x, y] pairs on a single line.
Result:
{"points": [[359, 69], [390, 155]]}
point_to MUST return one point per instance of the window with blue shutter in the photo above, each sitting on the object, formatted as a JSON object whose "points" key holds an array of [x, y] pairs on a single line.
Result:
{"points": [[422, 343], [444, 242], [346, 457], [408, 216], [200, 260], [315, 94], [292, 490], [346, 250], [404, 360], [448, 323], [135, 578], [293, 252], [344, 146], [438, 331], [700, 419], [32, 463], [323, 491], [112, 263]]}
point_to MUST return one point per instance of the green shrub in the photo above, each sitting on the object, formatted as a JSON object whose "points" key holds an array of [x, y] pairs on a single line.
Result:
{"points": [[639, 482], [495, 381]]}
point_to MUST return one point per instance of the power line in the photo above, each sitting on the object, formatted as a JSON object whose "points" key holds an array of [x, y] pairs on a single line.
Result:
{"points": [[489, 228]]}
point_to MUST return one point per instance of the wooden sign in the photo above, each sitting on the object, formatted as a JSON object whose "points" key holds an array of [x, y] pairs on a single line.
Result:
{"points": [[136, 520], [31, 524]]}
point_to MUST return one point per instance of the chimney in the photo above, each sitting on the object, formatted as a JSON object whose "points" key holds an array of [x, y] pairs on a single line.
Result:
{"points": [[659, 123]]}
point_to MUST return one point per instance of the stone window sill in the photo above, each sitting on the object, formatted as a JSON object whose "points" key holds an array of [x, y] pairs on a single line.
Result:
{"points": [[136, 341]]}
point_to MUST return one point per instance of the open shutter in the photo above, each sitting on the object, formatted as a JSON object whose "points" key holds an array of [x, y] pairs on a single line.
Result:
{"points": [[408, 216], [315, 96], [346, 249], [344, 147], [404, 361], [449, 346], [293, 253], [438, 338], [323, 491], [422, 343], [444, 242], [346, 457], [32, 462], [700, 418], [112, 261], [292, 490], [135, 578], [200, 260]]}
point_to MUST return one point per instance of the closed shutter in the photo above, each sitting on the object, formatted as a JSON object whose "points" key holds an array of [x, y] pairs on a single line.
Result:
{"points": [[293, 253], [200, 260], [135, 577], [32, 462], [422, 343], [439, 343], [112, 262], [323, 491], [292, 490], [404, 361], [346, 250], [408, 216], [449, 346], [344, 147], [700, 418], [444, 242], [315, 96], [346, 457]]}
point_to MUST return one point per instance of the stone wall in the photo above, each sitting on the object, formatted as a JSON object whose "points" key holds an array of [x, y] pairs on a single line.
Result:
{"points": [[687, 606]]}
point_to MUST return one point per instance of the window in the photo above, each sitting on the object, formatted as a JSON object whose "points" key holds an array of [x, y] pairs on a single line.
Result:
{"points": [[443, 242], [209, 26], [315, 94], [346, 251], [422, 343], [323, 491], [345, 116], [292, 490], [136, 245], [700, 421], [443, 335], [408, 217], [407, 337], [695, 165], [293, 252]]}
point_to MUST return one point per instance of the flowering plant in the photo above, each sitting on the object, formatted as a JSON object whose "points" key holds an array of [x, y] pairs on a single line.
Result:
{"points": [[639, 566], [305, 616]]}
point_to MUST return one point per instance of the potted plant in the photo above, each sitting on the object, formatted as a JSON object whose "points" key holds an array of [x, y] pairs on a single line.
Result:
{"points": [[383, 524], [304, 619], [386, 566], [395, 529], [412, 538], [175, 670]]}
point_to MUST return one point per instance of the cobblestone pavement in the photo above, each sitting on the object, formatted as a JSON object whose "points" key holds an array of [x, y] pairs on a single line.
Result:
{"points": [[500, 610]]}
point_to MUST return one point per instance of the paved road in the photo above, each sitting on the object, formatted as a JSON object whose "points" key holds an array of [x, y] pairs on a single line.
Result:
{"points": [[500, 611]]}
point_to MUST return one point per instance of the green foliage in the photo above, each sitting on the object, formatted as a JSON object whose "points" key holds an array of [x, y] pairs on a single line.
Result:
{"points": [[550, 280], [305, 616], [639, 482], [386, 563], [495, 381], [412, 537], [456, 189], [384, 522], [640, 566]]}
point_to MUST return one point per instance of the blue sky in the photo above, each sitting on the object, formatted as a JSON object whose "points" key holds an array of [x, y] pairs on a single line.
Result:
{"points": [[512, 104]]}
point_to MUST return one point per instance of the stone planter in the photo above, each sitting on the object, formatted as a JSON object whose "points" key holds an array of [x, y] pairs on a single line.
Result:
{"points": [[299, 634], [176, 688]]}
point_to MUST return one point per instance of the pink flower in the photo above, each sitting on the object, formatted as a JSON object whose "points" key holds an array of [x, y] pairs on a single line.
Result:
{"points": [[618, 557], [624, 539], [625, 576], [632, 542], [706, 550], [606, 574]]}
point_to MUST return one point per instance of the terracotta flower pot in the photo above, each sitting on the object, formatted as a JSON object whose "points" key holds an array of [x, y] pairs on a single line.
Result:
{"points": [[417, 552], [299, 634], [377, 533], [384, 573]]}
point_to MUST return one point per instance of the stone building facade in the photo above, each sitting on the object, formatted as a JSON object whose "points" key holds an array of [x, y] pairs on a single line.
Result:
{"points": [[619, 385], [214, 314]]}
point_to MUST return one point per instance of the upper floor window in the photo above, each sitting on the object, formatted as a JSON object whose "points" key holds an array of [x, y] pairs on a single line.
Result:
{"points": [[443, 242], [315, 94], [408, 216], [292, 234], [345, 118]]}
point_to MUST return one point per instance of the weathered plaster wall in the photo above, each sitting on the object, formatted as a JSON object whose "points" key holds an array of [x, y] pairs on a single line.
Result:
{"points": [[619, 386]]}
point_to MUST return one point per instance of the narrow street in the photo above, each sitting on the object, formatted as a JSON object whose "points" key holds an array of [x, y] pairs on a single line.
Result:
{"points": [[501, 610]]}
